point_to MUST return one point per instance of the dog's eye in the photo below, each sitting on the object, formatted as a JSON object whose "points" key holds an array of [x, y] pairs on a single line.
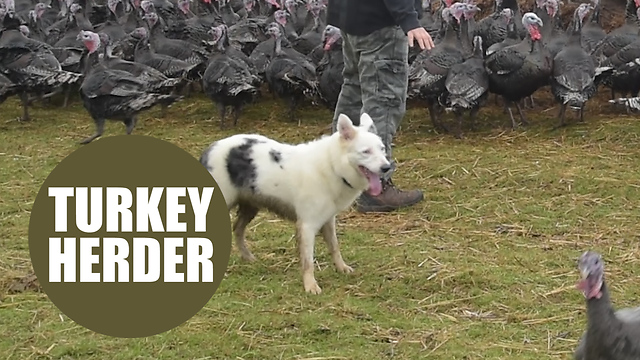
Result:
{"points": [[367, 151]]}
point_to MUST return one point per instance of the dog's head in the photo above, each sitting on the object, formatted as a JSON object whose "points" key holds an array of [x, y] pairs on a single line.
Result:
{"points": [[365, 150]]}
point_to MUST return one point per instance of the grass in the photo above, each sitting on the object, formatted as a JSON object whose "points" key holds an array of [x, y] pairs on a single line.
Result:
{"points": [[484, 268]]}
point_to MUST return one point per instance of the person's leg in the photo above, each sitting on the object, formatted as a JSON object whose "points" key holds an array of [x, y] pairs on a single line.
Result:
{"points": [[383, 68], [350, 98]]}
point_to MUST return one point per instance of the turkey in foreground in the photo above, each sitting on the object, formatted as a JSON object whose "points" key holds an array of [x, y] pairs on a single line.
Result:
{"points": [[610, 335], [113, 94]]}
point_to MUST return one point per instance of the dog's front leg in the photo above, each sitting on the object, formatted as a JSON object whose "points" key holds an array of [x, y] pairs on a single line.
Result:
{"points": [[306, 237], [330, 237]]}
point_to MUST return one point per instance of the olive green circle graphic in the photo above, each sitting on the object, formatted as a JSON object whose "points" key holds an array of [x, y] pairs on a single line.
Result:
{"points": [[131, 309]]}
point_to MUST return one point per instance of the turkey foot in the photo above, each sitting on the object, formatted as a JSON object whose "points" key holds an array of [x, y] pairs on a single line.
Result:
{"points": [[97, 134]]}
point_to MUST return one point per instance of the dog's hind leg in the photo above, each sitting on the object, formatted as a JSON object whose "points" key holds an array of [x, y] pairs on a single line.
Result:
{"points": [[330, 237], [306, 234], [246, 213]]}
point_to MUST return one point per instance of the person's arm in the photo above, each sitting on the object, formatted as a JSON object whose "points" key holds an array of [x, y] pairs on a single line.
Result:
{"points": [[406, 16], [404, 13]]}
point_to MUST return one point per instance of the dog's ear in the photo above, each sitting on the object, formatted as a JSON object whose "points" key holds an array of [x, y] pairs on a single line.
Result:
{"points": [[345, 127], [366, 123]]}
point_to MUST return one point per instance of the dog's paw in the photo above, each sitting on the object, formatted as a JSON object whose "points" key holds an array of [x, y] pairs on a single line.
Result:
{"points": [[344, 268], [312, 288]]}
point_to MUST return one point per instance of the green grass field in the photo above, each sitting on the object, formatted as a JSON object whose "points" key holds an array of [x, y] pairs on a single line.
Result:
{"points": [[484, 268]]}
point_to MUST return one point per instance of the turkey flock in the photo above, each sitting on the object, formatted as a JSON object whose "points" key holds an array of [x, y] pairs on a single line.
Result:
{"points": [[126, 56]]}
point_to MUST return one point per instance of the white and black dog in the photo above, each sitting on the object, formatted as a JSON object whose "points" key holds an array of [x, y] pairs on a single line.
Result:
{"points": [[309, 183]]}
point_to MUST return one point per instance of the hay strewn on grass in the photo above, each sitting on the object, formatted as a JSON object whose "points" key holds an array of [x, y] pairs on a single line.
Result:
{"points": [[484, 268]]}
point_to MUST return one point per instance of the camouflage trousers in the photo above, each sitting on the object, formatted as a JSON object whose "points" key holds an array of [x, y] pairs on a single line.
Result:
{"points": [[375, 81]]}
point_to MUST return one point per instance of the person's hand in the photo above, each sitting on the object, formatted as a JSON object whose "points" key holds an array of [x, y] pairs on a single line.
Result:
{"points": [[422, 37]]}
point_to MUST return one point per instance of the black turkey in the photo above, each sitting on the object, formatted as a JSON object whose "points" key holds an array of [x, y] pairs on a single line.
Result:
{"points": [[221, 43], [156, 81], [113, 94], [625, 77], [493, 28], [631, 104], [261, 56], [517, 71], [574, 71], [290, 75], [329, 69], [7, 88], [310, 39], [30, 64], [227, 80], [592, 31], [611, 335], [467, 86], [176, 48], [428, 72], [621, 36]]}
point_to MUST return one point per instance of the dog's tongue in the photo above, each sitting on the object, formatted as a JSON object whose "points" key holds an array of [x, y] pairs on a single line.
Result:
{"points": [[375, 185]]}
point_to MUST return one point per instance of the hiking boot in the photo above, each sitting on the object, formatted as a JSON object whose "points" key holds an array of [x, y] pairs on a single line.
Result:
{"points": [[390, 199]]}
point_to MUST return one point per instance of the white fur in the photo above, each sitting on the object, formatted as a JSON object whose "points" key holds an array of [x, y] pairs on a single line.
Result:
{"points": [[307, 181]]}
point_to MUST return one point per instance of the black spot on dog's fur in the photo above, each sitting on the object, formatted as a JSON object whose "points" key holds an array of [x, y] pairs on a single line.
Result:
{"points": [[276, 156], [204, 158], [240, 165]]}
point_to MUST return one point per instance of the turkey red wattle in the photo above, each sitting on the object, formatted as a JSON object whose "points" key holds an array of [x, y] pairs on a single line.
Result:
{"points": [[91, 45], [534, 32], [330, 41], [590, 289]]}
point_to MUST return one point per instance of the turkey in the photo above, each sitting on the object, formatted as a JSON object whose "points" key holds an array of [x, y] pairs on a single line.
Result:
{"points": [[553, 35], [632, 103], [517, 71], [428, 72], [288, 30], [221, 43], [621, 36], [625, 77], [430, 21], [313, 37], [574, 71], [176, 48], [113, 94], [247, 34], [329, 70], [7, 88], [493, 28], [156, 81], [192, 28], [228, 80], [30, 64], [592, 31], [467, 86], [467, 25], [169, 66], [611, 335], [261, 56], [290, 75]]}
